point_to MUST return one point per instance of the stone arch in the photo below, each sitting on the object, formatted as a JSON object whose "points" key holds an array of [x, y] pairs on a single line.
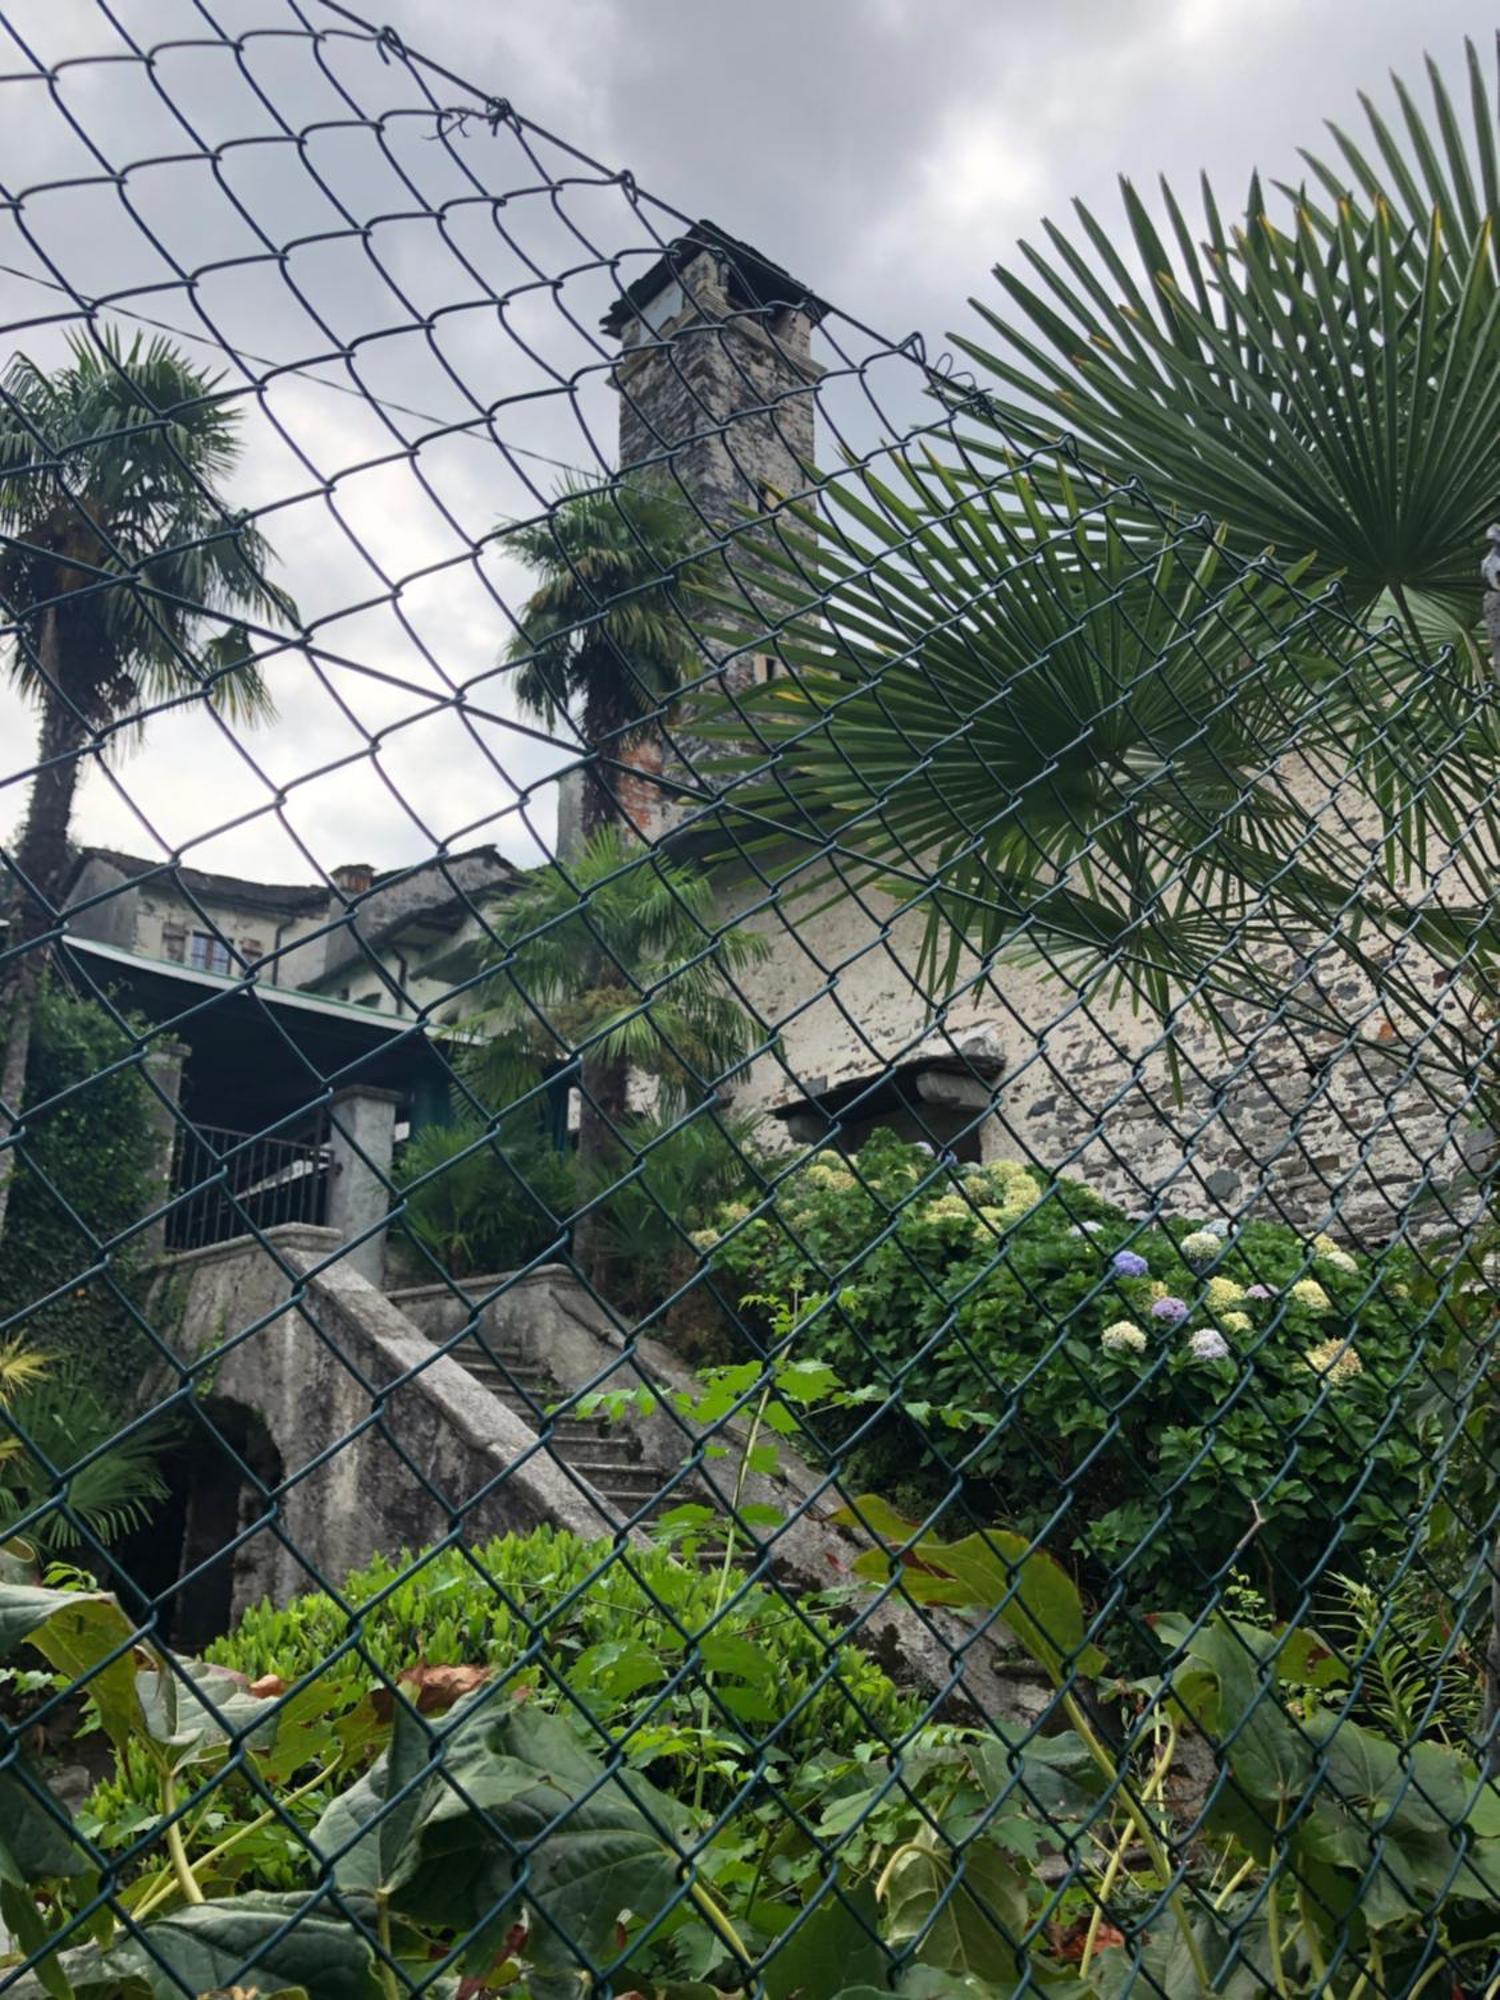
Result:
{"points": [[215, 1538]]}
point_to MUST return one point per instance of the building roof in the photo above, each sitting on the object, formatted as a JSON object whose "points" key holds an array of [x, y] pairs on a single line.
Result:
{"points": [[760, 281], [260, 1054], [206, 883], [286, 899]]}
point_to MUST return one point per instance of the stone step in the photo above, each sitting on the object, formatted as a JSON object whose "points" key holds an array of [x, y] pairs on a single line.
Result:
{"points": [[589, 1449], [532, 1380], [623, 1475], [535, 1395]]}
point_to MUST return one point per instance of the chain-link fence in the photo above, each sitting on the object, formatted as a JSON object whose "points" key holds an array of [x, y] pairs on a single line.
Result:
{"points": [[744, 1135]]}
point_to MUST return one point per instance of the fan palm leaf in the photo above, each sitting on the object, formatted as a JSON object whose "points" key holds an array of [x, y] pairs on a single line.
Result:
{"points": [[66, 1476], [1055, 735], [618, 956], [1325, 385]]}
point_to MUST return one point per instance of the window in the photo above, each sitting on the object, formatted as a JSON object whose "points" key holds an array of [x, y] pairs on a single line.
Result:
{"points": [[208, 953], [173, 944], [251, 949]]}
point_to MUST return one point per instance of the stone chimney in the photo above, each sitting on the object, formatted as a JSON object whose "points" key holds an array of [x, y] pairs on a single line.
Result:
{"points": [[353, 878]]}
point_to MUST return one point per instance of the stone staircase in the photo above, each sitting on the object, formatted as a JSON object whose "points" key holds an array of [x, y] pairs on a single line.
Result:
{"points": [[630, 1488]]}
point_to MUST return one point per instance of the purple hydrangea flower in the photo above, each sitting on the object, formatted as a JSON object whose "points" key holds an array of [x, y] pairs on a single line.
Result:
{"points": [[1173, 1310], [1258, 1292], [1208, 1344], [1128, 1264]]}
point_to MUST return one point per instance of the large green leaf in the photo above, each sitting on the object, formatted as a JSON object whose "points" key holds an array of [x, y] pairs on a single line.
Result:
{"points": [[266, 1941], [37, 1843], [1057, 1777], [195, 1712], [963, 1913], [843, 1931], [504, 1805], [83, 1634], [994, 1570]]}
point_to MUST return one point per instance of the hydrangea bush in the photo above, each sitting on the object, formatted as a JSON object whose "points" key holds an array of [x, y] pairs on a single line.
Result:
{"points": [[1167, 1397]]}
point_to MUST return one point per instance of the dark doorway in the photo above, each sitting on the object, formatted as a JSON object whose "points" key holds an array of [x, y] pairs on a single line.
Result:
{"points": [[223, 1472]]}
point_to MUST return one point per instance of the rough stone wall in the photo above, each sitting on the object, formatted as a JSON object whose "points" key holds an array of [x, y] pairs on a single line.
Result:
{"points": [[718, 401], [1319, 1129]]}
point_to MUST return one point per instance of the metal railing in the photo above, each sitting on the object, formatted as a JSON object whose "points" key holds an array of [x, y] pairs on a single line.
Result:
{"points": [[228, 1184]]}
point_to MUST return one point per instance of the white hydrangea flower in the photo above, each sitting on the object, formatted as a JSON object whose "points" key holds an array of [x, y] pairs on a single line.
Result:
{"points": [[1123, 1337], [1308, 1292], [1208, 1344], [1335, 1360], [1201, 1247]]}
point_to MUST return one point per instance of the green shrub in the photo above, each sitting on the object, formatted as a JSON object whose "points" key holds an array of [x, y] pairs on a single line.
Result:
{"points": [[1115, 1432], [665, 1178], [481, 1202], [531, 1606], [97, 1150]]}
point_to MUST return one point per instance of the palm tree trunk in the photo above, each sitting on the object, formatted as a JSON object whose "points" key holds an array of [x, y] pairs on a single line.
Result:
{"points": [[41, 864], [599, 806], [604, 1085], [596, 807]]}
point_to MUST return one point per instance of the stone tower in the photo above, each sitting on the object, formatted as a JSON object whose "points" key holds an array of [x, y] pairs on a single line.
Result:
{"points": [[717, 389], [716, 375]]}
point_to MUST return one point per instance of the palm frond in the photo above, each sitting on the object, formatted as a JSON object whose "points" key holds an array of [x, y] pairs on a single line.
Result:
{"points": [[71, 1475], [1325, 382], [606, 629], [618, 954], [1055, 733], [21, 1368]]}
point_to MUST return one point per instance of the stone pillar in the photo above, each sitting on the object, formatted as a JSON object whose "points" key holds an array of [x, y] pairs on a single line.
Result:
{"points": [[361, 1139], [163, 1065]]}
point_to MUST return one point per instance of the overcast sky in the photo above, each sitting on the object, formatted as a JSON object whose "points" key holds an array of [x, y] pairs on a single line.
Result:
{"points": [[887, 151]]}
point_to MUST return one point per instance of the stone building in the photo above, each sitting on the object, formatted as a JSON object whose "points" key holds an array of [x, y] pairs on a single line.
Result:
{"points": [[363, 938], [718, 387]]}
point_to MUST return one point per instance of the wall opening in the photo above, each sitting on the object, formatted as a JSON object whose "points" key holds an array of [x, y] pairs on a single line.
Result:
{"points": [[222, 1473]]}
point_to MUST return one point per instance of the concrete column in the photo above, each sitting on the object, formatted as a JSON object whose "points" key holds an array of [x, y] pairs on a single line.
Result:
{"points": [[361, 1139], [163, 1065]]}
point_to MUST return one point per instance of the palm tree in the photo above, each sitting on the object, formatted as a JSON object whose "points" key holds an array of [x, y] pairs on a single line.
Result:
{"points": [[604, 642], [54, 1476], [616, 961], [1055, 737], [1324, 382], [126, 578]]}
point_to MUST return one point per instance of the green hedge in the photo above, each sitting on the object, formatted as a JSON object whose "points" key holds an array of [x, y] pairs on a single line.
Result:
{"points": [[98, 1152], [532, 1606], [1256, 1390], [637, 1653]]}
